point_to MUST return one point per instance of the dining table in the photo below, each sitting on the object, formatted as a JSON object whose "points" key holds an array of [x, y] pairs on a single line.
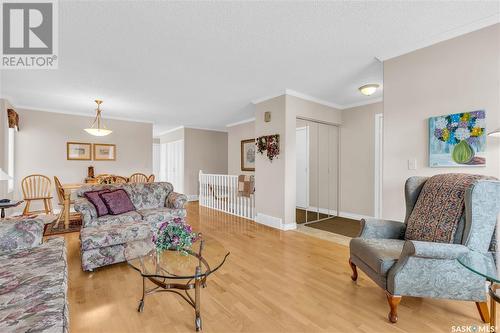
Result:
{"points": [[68, 189]]}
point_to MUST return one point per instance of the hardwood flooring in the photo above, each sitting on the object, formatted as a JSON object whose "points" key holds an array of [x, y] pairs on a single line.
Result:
{"points": [[273, 281]]}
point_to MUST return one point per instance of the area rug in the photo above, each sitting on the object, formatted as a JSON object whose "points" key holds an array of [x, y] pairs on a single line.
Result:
{"points": [[75, 224], [338, 225]]}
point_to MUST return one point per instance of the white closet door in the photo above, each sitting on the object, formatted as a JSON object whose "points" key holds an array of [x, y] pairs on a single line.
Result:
{"points": [[175, 164]]}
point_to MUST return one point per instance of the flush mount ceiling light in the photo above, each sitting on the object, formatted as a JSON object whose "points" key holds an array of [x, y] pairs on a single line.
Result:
{"points": [[369, 89], [495, 133], [98, 128]]}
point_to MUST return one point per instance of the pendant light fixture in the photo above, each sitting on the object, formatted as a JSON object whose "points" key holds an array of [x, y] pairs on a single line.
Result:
{"points": [[368, 89], [98, 128]]}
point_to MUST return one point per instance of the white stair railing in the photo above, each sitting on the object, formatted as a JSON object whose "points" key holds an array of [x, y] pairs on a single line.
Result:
{"points": [[220, 192]]}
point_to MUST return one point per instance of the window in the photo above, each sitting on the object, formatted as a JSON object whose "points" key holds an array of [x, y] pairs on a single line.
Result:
{"points": [[10, 159]]}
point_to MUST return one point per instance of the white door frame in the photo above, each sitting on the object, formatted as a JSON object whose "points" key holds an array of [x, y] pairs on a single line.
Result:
{"points": [[306, 128], [379, 153]]}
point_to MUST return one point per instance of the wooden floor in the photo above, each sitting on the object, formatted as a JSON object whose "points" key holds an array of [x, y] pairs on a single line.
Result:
{"points": [[273, 281]]}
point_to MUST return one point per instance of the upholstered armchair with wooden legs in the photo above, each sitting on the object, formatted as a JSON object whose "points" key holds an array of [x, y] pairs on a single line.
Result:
{"points": [[408, 267], [37, 188]]}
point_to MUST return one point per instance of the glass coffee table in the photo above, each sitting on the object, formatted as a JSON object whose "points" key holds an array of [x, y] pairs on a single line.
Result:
{"points": [[485, 264], [177, 272]]}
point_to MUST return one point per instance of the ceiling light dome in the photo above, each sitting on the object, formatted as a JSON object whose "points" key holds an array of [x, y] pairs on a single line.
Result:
{"points": [[369, 89], [98, 128]]}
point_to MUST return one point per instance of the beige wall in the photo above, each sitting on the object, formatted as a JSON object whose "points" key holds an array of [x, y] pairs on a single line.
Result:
{"points": [[171, 136], [203, 150], [41, 146], [458, 75], [235, 134], [357, 158]]}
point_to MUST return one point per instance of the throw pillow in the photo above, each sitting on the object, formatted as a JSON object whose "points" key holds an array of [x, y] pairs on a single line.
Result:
{"points": [[95, 199], [117, 201]]}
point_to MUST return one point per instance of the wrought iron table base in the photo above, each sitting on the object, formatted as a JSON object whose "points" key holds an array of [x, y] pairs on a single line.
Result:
{"points": [[163, 286]]}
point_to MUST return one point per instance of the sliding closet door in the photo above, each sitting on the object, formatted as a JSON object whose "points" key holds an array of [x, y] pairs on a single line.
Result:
{"points": [[317, 162]]}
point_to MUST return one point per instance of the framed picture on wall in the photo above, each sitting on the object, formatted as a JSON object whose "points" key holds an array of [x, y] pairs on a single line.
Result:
{"points": [[104, 152], [458, 140], [248, 155], [78, 151]]}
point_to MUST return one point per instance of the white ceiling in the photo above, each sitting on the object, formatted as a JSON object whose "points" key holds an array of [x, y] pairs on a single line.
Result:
{"points": [[200, 64]]}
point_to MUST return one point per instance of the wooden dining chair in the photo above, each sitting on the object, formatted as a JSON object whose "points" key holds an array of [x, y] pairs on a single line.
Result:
{"points": [[60, 197], [138, 178], [151, 178], [37, 188], [111, 179]]}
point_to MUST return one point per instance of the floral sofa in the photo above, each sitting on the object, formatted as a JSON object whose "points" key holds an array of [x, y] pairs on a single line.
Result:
{"points": [[102, 239], [33, 279]]}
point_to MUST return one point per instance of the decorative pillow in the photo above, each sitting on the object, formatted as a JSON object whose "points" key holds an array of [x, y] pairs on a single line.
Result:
{"points": [[95, 199], [19, 234], [117, 201]]}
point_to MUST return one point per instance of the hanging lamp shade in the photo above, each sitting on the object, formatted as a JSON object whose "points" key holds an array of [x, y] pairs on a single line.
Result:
{"points": [[98, 128]]}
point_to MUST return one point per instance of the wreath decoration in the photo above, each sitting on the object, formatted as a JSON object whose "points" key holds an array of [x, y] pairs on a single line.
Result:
{"points": [[269, 144]]}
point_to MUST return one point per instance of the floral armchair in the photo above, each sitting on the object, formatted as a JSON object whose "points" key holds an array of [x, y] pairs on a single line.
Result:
{"points": [[404, 267]]}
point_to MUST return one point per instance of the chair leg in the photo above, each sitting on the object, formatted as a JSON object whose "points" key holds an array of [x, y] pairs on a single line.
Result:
{"points": [[482, 308], [46, 206], [27, 207], [393, 301], [51, 210], [354, 275]]}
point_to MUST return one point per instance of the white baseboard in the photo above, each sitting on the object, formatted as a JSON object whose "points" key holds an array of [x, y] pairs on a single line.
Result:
{"points": [[192, 197], [274, 222], [347, 215]]}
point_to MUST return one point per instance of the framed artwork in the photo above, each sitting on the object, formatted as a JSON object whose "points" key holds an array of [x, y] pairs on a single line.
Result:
{"points": [[78, 151], [248, 155], [458, 140], [104, 152]]}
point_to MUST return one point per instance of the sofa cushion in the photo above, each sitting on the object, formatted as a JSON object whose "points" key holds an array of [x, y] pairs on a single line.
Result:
{"points": [[117, 201], [157, 215], [34, 288], [18, 234], [148, 195], [95, 199], [379, 254], [115, 219], [113, 234]]}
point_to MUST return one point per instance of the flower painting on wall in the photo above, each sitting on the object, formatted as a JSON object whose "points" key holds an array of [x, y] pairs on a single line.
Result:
{"points": [[458, 140]]}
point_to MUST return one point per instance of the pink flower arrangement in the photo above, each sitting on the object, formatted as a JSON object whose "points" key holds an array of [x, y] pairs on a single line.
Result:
{"points": [[175, 235]]}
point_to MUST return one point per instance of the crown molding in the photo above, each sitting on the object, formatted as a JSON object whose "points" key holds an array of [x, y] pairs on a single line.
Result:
{"points": [[312, 99], [456, 32], [206, 129], [37, 109], [169, 131], [362, 103], [249, 120], [266, 98]]}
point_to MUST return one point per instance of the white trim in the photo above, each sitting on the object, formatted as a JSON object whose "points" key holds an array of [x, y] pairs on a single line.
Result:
{"points": [[89, 115], [274, 222], [206, 129], [362, 103], [312, 99], [192, 197], [249, 120], [378, 167], [266, 98], [170, 130], [354, 216], [191, 127], [458, 31]]}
